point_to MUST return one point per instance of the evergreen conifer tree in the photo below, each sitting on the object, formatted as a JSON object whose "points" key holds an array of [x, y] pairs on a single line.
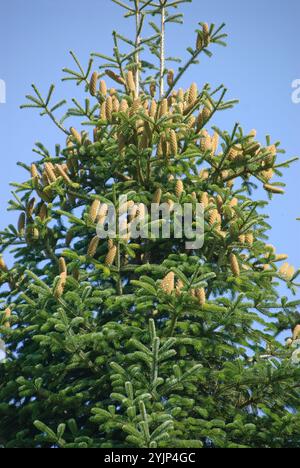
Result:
{"points": [[143, 343]]}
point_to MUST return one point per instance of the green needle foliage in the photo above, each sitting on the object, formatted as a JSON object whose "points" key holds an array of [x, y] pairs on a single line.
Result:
{"points": [[142, 343]]}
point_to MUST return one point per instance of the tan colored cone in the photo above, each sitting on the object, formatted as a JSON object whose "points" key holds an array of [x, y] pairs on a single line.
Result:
{"points": [[157, 196], [103, 88], [60, 287], [179, 188], [102, 214], [93, 84], [234, 202], [179, 287], [201, 296], [215, 217], [164, 108], [109, 108], [136, 107], [204, 199], [215, 142], [111, 256], [296, 333], [92, 248], [76, 135], [62, 265], [219, 202], [199, 42], [287, 271], [205, 142], [234, 265], [103, 111], [110, 244], [290, 272], [118, 79], [116, 104], [153, 109], [168, 283], [123, 106], [204, 174], [7, 317], [242, 239], [50, 173], [193, 94], [173, 142], [249, 238], [94, 210], [34, 172], [130, 82], [63, 174], [206, 36]]}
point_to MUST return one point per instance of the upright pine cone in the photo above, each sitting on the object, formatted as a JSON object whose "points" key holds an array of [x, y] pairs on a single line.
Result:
{"points": [[21, 224], [7, 316], [249, 238], [109, 108], [103, 88], [242, 238], [93, 84], [206, 36], [157, 196], [173, 142], [215, 142], [164, 108], [296, 333], [153, 109], [92, 248], [153, 89], [60, 287], [130, 82], [43, 213], [234, 264], [62, 265], [168, 283], [201, 296], [76, 135], [179, 287], [199, 42], [204, 199], [34, 172], [110, 244], [61, 171], [179, 188], [3, 266], [50, 172], [111, 256], [193, 94], [170, 77], [94, 210], [123, 106]]}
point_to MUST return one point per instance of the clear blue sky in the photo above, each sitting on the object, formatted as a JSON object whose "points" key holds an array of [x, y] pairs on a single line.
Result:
{"points": [[258, 67]]}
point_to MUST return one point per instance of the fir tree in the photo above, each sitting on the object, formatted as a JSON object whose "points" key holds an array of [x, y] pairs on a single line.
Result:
{"points": [[142, 343]]}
